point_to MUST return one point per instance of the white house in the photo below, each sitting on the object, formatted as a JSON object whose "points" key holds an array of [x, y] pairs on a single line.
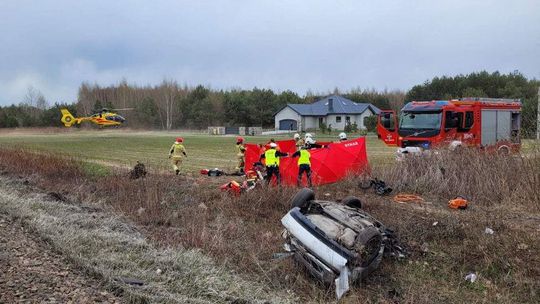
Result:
{"points": [[335, 111]]}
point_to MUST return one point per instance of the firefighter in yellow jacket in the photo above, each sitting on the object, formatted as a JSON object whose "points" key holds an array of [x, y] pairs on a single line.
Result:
{"points": [[177, 153], [271, 157], [240, 151], [304, 165]]}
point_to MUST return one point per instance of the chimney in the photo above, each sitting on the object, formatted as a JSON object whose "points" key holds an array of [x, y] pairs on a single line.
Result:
{"points": [[330, 105]]}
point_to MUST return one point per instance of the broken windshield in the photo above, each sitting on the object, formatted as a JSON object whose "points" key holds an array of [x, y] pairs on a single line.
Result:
{"points": [[420, 120]]}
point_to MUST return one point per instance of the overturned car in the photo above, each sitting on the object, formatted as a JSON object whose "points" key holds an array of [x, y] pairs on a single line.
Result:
{"points": [[336, 242]]}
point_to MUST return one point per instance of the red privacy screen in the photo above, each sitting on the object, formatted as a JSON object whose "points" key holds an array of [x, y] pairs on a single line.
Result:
{"points": [[328, 165]]}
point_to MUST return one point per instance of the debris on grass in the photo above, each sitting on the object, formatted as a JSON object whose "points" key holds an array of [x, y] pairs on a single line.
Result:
{"points": [[458, 203], [471, 277], [213, 172], [403, 198], [138, 171], [380, 186]]}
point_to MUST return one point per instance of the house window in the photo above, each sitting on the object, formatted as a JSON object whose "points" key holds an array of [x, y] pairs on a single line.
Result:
{"points": [[348, 119], [338, 119], [321, 121]]}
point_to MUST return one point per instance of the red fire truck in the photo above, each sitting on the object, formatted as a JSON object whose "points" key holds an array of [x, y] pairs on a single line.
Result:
{"points": [[487, 123]]}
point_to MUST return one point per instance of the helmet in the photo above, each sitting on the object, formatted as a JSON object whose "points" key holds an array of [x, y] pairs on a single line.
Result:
{"points": [[310, 141], [179, 139], [296, 136], [342, 136], [308, 135], [273, 145], [240, 139]]}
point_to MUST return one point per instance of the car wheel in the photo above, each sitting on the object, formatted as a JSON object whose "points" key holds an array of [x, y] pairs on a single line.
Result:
{"points": [[302, 198], [368, 244], [352, 201]]}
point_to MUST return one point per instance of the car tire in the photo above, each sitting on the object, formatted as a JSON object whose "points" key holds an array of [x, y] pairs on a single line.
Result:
{"points": [[302, 198], [370, 237], [352, 201]]}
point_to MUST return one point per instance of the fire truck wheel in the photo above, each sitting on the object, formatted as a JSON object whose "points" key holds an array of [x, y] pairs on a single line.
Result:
{"points": [[503, 151], [302, 198]]}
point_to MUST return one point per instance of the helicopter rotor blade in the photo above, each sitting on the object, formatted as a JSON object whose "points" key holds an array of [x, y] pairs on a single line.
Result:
{"points": [[123, 109]]}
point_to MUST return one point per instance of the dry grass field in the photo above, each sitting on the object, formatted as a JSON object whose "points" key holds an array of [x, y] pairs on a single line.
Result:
{"points": [[241, 234]]}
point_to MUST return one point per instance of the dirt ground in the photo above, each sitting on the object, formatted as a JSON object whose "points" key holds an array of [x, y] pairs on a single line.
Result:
{"points": [[32, 273]]}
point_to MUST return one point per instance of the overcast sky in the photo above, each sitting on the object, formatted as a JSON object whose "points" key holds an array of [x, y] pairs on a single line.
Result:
{"points": [[298, 45]]}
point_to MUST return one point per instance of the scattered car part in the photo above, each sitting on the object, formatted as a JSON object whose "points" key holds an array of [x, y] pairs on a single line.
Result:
{"points": [[408, 198], [130, 281], [471, 277], [379, 185], [458, 203], [336, 243]]}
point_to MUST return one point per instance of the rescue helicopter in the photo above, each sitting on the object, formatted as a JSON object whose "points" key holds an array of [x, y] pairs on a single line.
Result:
{"points": [[103, 118]]}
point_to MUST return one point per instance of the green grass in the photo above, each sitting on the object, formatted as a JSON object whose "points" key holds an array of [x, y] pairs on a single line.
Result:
{"points": [[94, 170], [125, 148]]}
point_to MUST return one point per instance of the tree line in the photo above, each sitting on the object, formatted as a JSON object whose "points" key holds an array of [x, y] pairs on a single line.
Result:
{"points": [[170, 105]]}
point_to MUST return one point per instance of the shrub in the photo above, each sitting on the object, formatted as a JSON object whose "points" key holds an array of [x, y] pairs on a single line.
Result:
{"points": [[371, 123]]}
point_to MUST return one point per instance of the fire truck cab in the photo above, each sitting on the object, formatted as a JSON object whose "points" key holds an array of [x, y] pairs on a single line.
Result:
{"points": [[486, 123]]}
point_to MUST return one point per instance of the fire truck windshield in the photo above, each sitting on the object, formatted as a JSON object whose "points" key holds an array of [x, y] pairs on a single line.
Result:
{"points": [[421, 120]]}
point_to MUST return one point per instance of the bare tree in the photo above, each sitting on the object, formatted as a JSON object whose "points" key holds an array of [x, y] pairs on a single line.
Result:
{"points": [[30, 99], [34, 102], [396, 99], [166, 101], [41, 102]]}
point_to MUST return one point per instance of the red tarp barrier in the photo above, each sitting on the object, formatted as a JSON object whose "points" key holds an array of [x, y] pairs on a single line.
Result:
{"points": [[328, 165]]}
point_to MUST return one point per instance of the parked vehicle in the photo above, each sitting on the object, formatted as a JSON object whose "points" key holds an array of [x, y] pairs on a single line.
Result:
{"points": [[336, 242], [487, 123]]}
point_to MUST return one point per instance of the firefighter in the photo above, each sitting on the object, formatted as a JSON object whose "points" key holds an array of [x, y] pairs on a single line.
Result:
{"points": [[177, 149], [304, 165], [299, 141], [342, 136], [272, 162], [240, 151], [312, 143], [274, 141]]}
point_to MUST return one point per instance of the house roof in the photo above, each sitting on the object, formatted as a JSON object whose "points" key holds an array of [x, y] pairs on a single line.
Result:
{"points": [[341, 105]]}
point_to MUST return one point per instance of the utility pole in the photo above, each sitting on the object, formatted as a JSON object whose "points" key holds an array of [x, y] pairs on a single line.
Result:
{"points": [[538, 117]]}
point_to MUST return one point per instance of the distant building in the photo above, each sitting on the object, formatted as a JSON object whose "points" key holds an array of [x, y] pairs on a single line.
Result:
{"points": [[333, 110]]}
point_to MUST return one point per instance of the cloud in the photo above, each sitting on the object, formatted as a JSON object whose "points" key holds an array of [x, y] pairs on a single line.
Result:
{"points": [[298, 45]]}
